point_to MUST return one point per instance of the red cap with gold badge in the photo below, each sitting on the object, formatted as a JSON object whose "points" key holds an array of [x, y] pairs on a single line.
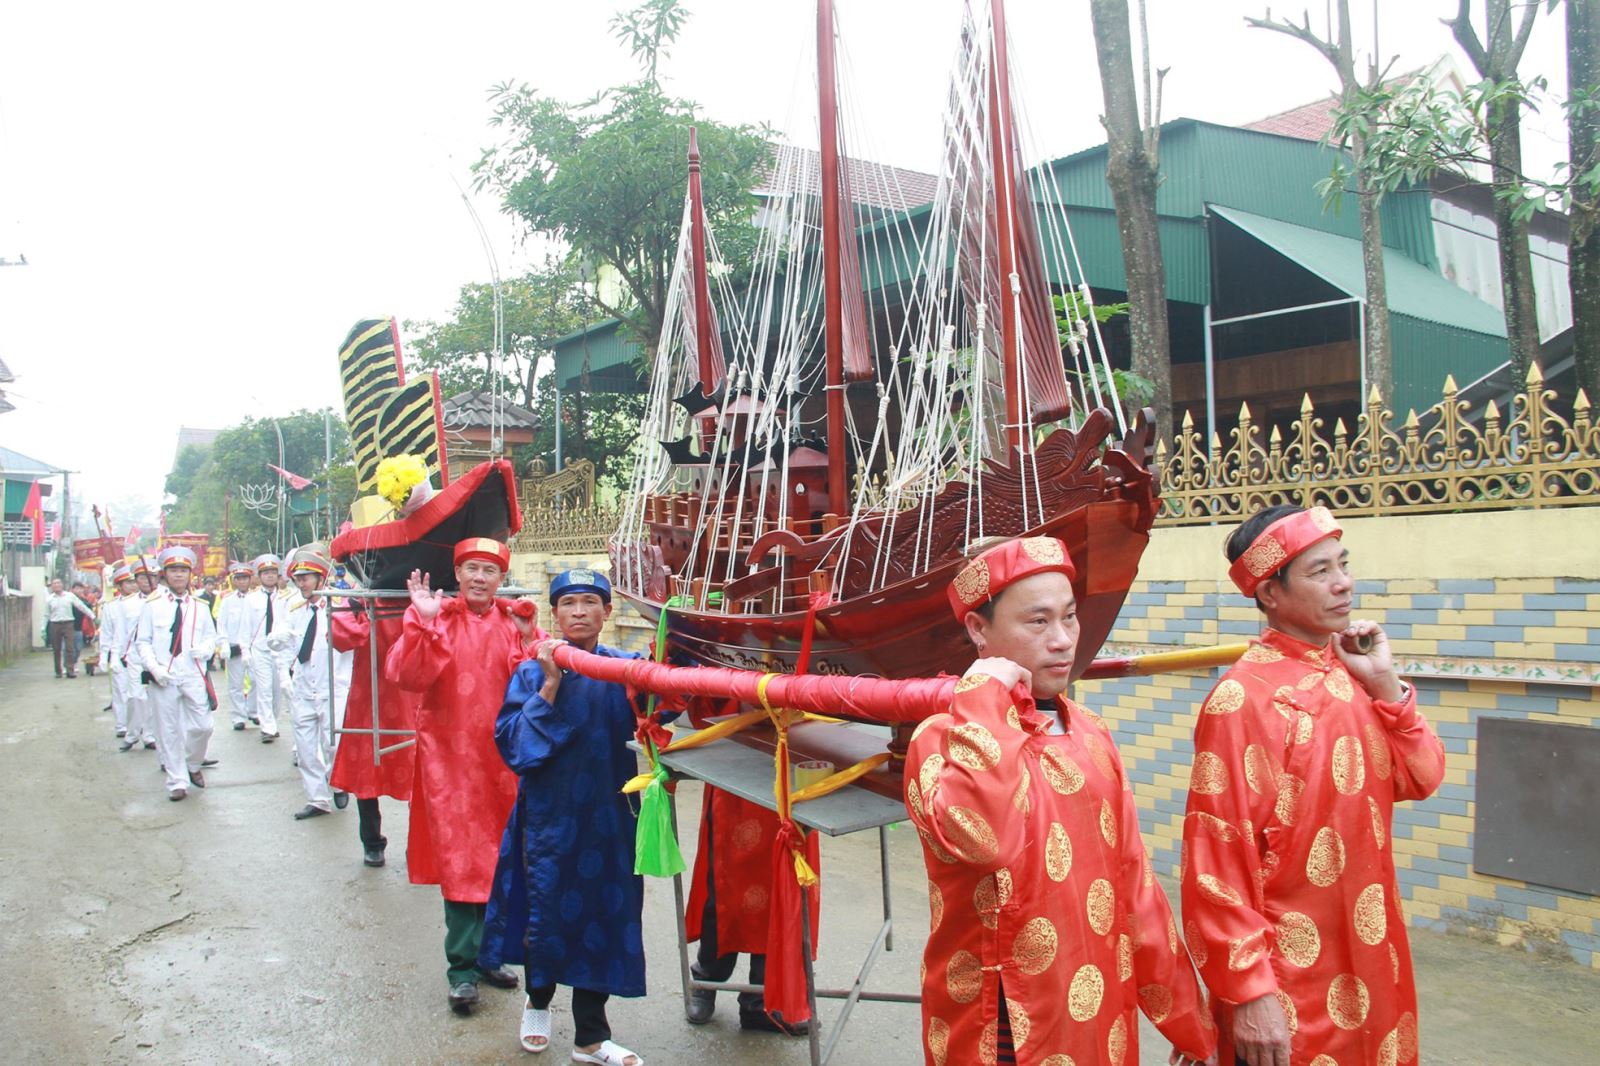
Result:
{"points": [[486, 548], [985, 577]]}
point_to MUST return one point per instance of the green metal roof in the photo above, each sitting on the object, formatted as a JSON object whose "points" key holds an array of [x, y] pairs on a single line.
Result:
{"points": [[610, 353], [1413, 289], [1436, 329]]}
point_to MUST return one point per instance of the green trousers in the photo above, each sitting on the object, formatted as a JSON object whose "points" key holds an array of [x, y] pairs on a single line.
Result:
{"points": [[463, 935]]}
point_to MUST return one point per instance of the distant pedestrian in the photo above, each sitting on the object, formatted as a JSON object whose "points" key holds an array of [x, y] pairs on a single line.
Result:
{"points": [[62, 611]]}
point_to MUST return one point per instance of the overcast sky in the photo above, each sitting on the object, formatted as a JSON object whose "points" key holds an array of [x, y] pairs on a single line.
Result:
{"points": [[210, 195]]}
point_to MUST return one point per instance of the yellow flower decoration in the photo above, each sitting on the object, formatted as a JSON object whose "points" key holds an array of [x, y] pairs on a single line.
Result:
{"points": [[398, 475]]}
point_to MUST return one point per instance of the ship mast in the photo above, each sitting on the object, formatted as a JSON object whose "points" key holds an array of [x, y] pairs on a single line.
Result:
{"points": [[710, 373], [832, 273], [1000, 134]]}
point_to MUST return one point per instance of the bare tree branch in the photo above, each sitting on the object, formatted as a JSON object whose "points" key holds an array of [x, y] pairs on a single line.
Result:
{"points": [[1300, 32], [1467, 37]]}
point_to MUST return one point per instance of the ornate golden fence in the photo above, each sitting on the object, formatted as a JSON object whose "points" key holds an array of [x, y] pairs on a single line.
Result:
{"points": [[1533, 457], [1442, 461]]}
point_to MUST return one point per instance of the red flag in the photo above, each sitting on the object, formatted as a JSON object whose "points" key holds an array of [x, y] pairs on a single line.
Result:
{"points": [[34, 509], [132, 537], [296, 482]]}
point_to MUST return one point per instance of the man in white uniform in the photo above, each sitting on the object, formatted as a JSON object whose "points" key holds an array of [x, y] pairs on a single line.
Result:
{"points": [[119, 615], [141, 718], [271, 647], [308, 691], [175, 639], [233, 631]]}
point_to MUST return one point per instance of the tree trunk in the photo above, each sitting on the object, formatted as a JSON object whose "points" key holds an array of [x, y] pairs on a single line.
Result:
{"points": [[1132, 176], [1516, 266], [1378, 368], [1583, 246]]}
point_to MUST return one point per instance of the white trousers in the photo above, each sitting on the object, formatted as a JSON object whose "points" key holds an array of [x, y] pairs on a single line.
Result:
{"points": [[119, 697], [140, 721], [311, 748], [238, 699], [183, 726], [269, 688]]}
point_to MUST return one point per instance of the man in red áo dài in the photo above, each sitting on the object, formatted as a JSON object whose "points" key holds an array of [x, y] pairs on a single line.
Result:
{"points": [[1048, 927], [1301, 751], [459, 654]]}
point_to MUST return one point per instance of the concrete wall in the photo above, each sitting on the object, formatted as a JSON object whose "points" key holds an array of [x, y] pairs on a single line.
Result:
{"points": [[1493, 614], [626, 628]]}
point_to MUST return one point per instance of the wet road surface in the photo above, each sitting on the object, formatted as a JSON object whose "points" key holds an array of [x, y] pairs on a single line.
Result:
{"points": [[220, 930]]}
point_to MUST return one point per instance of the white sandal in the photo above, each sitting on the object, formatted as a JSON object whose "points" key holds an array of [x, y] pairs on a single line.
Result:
{"points": [[608, 1054], [535, 1026]]}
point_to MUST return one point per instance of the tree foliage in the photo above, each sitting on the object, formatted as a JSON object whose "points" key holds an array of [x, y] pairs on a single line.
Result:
{"points": [[606, 177], [205, 478], [537, 308]]}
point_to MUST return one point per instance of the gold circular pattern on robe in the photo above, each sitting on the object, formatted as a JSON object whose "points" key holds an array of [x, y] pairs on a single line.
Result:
{"points": [[990, 894], [1124, 957], [1218, 892], [1379, 833], [756, 898], [1209, 775], [1324, 1060], [1100, 904], [973, 746], [1245, 951], [1258, 771], [1117, 1041], [1348, 1001], [1338, 684], [1303, 727], [1371, 919], [1014, 719], [1197, 946], [1285, 702], [1261, 653], [1309, 681], [933, 847], [1060, 772], [1172, 934], [1057, 1060], [1156, 1001], [935, 908], [1299, 942], [1291, 1016], [963, 977], [970, 836], [1226, 698], [746, 835], [1057, 853], [1019, 799], [1020, 1023], [1378, 749], [1394, 960], [1108, 824], [1264, 557], [1406, 1031], [1100, 757], [972, 583], [938, 1040], [1349, 768], [1085, 992], [972, 681], [914, 797], [943, 718], [928, 776], [1289, 789], [1035, 947], [988, 1044], [1325, 864]]}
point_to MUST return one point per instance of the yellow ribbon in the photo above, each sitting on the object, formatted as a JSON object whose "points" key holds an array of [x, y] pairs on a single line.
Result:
{"points": [[834, 782], [780, 719]]}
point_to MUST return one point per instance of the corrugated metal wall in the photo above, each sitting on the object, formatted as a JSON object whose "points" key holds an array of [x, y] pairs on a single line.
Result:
{"points": [[1426, 352]]}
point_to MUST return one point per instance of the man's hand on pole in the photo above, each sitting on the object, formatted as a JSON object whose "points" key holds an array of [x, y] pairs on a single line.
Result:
{"points": [[428, 601], [545, 651]]}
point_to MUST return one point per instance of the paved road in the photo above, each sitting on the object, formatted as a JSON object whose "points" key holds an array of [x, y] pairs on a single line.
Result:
{"points": [[219, 930]]}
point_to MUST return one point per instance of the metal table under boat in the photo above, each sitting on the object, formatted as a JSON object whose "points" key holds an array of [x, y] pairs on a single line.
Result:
{"points": [[747, 773]]}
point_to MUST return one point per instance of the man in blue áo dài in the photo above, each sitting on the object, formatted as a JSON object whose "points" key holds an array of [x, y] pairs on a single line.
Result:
{"points": [[566, 901]]}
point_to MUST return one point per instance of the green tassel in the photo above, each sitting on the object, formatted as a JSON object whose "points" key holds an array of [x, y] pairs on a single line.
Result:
{"points": [[655, 846]]}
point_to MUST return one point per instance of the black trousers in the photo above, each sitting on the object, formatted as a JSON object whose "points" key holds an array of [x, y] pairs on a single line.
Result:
{"points": [[64, 643], [369, 822], [709, 964], [588, 1011]]}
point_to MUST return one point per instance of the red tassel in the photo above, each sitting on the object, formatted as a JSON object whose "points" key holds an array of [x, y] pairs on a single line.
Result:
{"points": [[785, 993]]}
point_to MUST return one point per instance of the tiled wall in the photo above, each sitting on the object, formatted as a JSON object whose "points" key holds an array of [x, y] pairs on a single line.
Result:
{"points": [[1454, 633]]}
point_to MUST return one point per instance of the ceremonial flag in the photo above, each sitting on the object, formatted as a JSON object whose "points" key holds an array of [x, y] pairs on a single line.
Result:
{"points": [[296, 482], [34, 509]]}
